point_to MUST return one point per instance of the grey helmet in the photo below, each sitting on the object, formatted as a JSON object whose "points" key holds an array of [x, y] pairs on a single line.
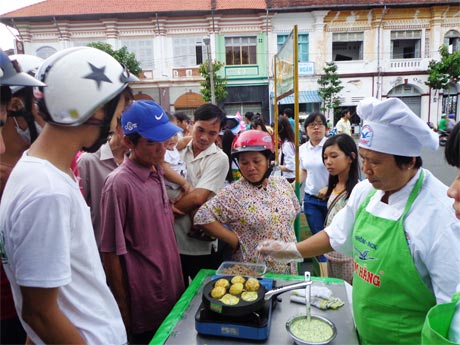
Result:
{"points": [[28, 63], [12, 75]]}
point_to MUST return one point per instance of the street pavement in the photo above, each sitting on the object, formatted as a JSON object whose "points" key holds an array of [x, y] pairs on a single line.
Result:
{"points": [[435, 162]]}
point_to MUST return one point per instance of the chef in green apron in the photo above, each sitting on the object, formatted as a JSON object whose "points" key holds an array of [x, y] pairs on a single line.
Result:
{"points": [[442, 323], [398, 225]]}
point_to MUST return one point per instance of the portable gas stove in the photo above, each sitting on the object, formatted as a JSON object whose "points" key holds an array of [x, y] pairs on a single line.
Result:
{"points": [[254, 326]]}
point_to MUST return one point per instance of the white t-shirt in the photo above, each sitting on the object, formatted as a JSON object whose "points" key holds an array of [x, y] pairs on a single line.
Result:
{"points": [[49, 243], [311, 160], [172, 157], [288, 150], [343, 126], [432, 230]]}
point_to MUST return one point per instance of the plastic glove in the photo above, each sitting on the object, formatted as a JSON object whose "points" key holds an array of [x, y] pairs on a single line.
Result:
{"points": [[283, 252], [316, 291]]}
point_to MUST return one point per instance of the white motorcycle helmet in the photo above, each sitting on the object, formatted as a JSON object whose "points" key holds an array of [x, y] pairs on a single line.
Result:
{"points": [[80, 80], [12, 75], [28, 63]]}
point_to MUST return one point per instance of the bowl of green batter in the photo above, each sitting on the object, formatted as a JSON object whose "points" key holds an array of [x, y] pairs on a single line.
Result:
{"points": [[317, 331]]}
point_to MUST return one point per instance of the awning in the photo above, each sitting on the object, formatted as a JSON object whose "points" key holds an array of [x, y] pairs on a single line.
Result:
{"points": [[304, 97]]}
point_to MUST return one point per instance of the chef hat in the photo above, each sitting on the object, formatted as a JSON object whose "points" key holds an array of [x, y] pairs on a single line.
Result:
{"points": [[390, 126]]}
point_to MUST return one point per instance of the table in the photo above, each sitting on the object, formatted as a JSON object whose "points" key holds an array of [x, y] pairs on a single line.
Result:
{"points": [[179, 325]]}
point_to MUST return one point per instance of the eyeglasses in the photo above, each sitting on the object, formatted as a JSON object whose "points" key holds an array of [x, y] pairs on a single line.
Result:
{"points": [[315, 124]]}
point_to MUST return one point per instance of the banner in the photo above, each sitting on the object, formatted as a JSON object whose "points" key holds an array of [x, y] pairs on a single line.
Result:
{"points": [[284, 66]]}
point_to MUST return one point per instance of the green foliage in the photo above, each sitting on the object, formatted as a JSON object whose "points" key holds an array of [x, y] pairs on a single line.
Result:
{"points": [[445, 72], [330, 86], [122, 55], [220, 83]]}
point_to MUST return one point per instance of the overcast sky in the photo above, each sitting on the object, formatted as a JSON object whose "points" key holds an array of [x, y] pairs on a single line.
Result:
{"points": [[6, 38]]}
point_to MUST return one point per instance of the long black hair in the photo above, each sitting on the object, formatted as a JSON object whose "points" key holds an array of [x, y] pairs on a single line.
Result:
{"points": [[348, 146], [452, 151], [285, 130], [227, 140]]}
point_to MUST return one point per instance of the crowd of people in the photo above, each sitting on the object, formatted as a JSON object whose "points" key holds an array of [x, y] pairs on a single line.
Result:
{"points": [[110, 207]]}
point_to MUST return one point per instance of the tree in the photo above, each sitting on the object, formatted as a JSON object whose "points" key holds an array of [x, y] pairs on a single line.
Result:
{"points": [[442, 74], [220, 84], [330, 86], [445, 72], [122, 55]]}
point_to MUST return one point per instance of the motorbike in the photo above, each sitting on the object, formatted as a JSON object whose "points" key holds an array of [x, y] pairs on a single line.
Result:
{"points": [[443, 136]]}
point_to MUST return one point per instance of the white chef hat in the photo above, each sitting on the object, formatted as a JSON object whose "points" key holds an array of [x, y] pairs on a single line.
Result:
{"points": [[390, 126]]}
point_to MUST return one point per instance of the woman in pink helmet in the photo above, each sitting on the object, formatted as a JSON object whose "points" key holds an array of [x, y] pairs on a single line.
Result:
{"points": [[257, 206]]}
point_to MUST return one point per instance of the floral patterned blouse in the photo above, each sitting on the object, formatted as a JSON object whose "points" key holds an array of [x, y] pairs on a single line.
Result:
{"points": [[255, 214]]}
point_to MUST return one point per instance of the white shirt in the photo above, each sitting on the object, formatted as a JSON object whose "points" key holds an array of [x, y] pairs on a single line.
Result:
{"points": [[311, 160], [172, 157], [343, 126], [49, 243], [432, 230], [287, 148], [207, 171]]}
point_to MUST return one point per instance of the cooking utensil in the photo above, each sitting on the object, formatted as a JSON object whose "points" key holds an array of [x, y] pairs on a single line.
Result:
{"points": [[244, 307], [300, 341], [308, 295]]}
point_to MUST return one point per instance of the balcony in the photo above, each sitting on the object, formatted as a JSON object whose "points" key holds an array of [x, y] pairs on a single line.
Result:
{"points": [[406, 65]]}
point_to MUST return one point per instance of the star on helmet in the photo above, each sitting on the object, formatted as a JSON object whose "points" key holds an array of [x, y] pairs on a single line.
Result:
{"points": [[98, 75]]}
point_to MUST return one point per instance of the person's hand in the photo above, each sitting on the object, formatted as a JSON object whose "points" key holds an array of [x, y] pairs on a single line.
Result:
{"points": [[322, 193], [177, 212], [280, 251], [187, 187]]}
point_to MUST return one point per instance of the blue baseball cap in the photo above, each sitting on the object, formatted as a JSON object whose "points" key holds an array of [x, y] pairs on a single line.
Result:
{"points": [[149, 120]]}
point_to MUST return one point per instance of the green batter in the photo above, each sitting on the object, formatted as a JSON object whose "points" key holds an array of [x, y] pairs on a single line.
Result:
{"points": [[315, 331]]}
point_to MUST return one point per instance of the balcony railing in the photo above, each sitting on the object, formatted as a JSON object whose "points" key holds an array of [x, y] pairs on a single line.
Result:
{"points": [[407, 65]]}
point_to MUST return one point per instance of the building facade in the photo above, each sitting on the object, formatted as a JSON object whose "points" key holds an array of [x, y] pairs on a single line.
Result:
{"points": [[381, 50]]}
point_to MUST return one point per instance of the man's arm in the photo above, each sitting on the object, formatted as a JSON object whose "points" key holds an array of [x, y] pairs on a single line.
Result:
{"points": [[117, 283], [193, 200], [42, 313]]}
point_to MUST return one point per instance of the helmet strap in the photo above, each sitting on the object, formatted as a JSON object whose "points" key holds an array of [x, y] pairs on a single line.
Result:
{"points": [[104, 126]]}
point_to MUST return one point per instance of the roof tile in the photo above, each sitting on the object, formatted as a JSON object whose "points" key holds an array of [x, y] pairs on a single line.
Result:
{"points": [[85, 7]]}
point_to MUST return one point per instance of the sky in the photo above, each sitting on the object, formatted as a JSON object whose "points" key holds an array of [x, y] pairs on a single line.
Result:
{"points": [[6, 37]]}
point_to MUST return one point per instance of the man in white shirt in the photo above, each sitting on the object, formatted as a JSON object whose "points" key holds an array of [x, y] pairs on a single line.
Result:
{"points": [[343, 125], [207, 167], [48, 247]]}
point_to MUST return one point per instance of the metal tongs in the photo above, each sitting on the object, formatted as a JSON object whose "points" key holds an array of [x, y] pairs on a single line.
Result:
{"points": [[308, 295]]}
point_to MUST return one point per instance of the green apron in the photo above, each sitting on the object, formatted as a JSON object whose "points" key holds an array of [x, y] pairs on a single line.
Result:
{"points": [[437, 322], [390, 300]]}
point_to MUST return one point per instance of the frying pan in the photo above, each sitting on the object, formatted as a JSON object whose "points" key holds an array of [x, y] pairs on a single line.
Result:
{"points": [[244, 307]]}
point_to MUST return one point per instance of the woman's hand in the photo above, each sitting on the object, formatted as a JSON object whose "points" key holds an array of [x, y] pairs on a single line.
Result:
{"points": [[280, 251], [322, 193]]}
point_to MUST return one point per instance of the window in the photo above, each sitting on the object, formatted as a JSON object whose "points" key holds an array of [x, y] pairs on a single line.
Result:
{"points": [[347, 46], [406, 44], [450, 100], [302, 45], [45, 52], [233, 108], [143, 50], [188, 51], [452, 41], [240, 50]]}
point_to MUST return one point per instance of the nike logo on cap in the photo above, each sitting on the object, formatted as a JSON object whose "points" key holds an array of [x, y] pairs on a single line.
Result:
{"points": [[159, 117]]}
